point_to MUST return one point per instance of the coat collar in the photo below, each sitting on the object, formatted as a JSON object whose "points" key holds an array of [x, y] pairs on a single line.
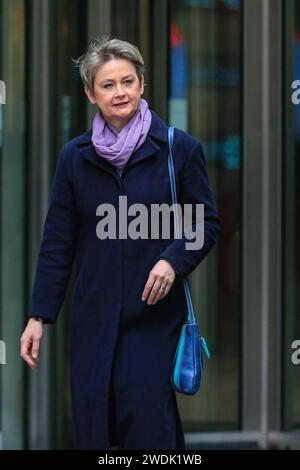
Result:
{"points": [[157, 133]]}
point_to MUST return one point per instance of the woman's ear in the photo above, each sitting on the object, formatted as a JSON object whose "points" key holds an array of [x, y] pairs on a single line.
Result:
{"points": [[90, 95], [142, 84]]}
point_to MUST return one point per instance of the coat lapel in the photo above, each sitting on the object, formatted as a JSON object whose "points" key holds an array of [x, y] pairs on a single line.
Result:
{"points": [[157, 132]]}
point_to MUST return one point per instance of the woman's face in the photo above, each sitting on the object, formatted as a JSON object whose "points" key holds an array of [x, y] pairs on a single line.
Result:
{"points": [[116, 82]]}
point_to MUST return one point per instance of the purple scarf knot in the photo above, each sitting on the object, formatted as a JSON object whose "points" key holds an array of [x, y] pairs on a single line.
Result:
{"points": [[118, 147]]}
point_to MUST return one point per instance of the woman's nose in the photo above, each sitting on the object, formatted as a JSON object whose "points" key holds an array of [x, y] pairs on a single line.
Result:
{"points": [[119, 90]]}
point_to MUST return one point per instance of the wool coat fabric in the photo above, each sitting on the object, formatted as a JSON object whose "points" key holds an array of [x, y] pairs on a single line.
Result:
{"points": [[121, 348]]}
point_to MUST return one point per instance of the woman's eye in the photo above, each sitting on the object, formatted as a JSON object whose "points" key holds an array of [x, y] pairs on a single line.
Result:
{"points": [[127, 82]]}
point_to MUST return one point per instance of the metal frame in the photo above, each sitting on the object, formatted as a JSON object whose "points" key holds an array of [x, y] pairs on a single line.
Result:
{"points": [[99, 22], [262, 264], [40, 416], [289, 204], [160, 58], [242, 440]]}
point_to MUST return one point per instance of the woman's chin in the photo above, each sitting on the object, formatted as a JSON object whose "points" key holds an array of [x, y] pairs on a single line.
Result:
{"points": [[125, 112]]}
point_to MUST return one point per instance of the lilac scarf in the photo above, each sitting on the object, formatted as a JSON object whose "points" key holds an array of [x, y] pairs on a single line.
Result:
{"points": [[118, 147]]}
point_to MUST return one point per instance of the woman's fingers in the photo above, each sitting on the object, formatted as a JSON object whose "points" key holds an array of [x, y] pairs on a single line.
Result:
{"points": [[25, 352], [155, 292], [30, 342], [148, 287], [162, 292], [35, 348], [161, 276]]}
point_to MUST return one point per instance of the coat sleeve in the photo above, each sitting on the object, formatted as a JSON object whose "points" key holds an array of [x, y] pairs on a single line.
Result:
{"points": [[194, 189], [58, 246]]}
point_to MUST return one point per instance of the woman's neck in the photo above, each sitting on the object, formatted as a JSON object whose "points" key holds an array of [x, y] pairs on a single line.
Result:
{"points": [[117, 124]]}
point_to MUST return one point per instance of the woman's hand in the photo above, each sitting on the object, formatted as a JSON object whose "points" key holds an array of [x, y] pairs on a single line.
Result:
{"points": [[159, 282], [30, 341]]}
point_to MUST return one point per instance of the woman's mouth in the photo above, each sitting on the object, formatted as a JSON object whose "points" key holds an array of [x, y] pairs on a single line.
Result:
{"points": [[120, 105]]}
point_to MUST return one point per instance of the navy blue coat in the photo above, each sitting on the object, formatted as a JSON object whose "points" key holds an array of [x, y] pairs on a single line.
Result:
{"points": [[122, 349]]}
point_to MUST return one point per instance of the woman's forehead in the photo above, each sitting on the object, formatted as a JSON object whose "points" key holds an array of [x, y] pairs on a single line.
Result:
{"points": [[115, 66]]}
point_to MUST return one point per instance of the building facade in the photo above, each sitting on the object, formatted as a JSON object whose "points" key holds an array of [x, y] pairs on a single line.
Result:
{"points": [[223, 71]]}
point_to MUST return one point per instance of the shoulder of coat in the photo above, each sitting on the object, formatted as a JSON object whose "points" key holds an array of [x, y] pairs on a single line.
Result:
{"points": [[185, 138], [82, 139]]}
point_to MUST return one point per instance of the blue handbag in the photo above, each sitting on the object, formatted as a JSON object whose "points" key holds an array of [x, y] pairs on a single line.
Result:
{"points": [[188, 360]]}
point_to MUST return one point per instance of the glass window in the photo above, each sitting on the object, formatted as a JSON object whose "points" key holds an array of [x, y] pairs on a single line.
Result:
{"points": [[205, 100], [133, 21], [125, 24], [56, 94], [12, 164], [69, 39]]}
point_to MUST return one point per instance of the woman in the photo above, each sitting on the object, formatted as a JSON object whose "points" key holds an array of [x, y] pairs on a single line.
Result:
{"points": [[128, 302]]}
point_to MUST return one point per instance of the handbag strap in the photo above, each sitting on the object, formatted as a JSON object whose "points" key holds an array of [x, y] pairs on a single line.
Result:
{"points": [[191, 314]]}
